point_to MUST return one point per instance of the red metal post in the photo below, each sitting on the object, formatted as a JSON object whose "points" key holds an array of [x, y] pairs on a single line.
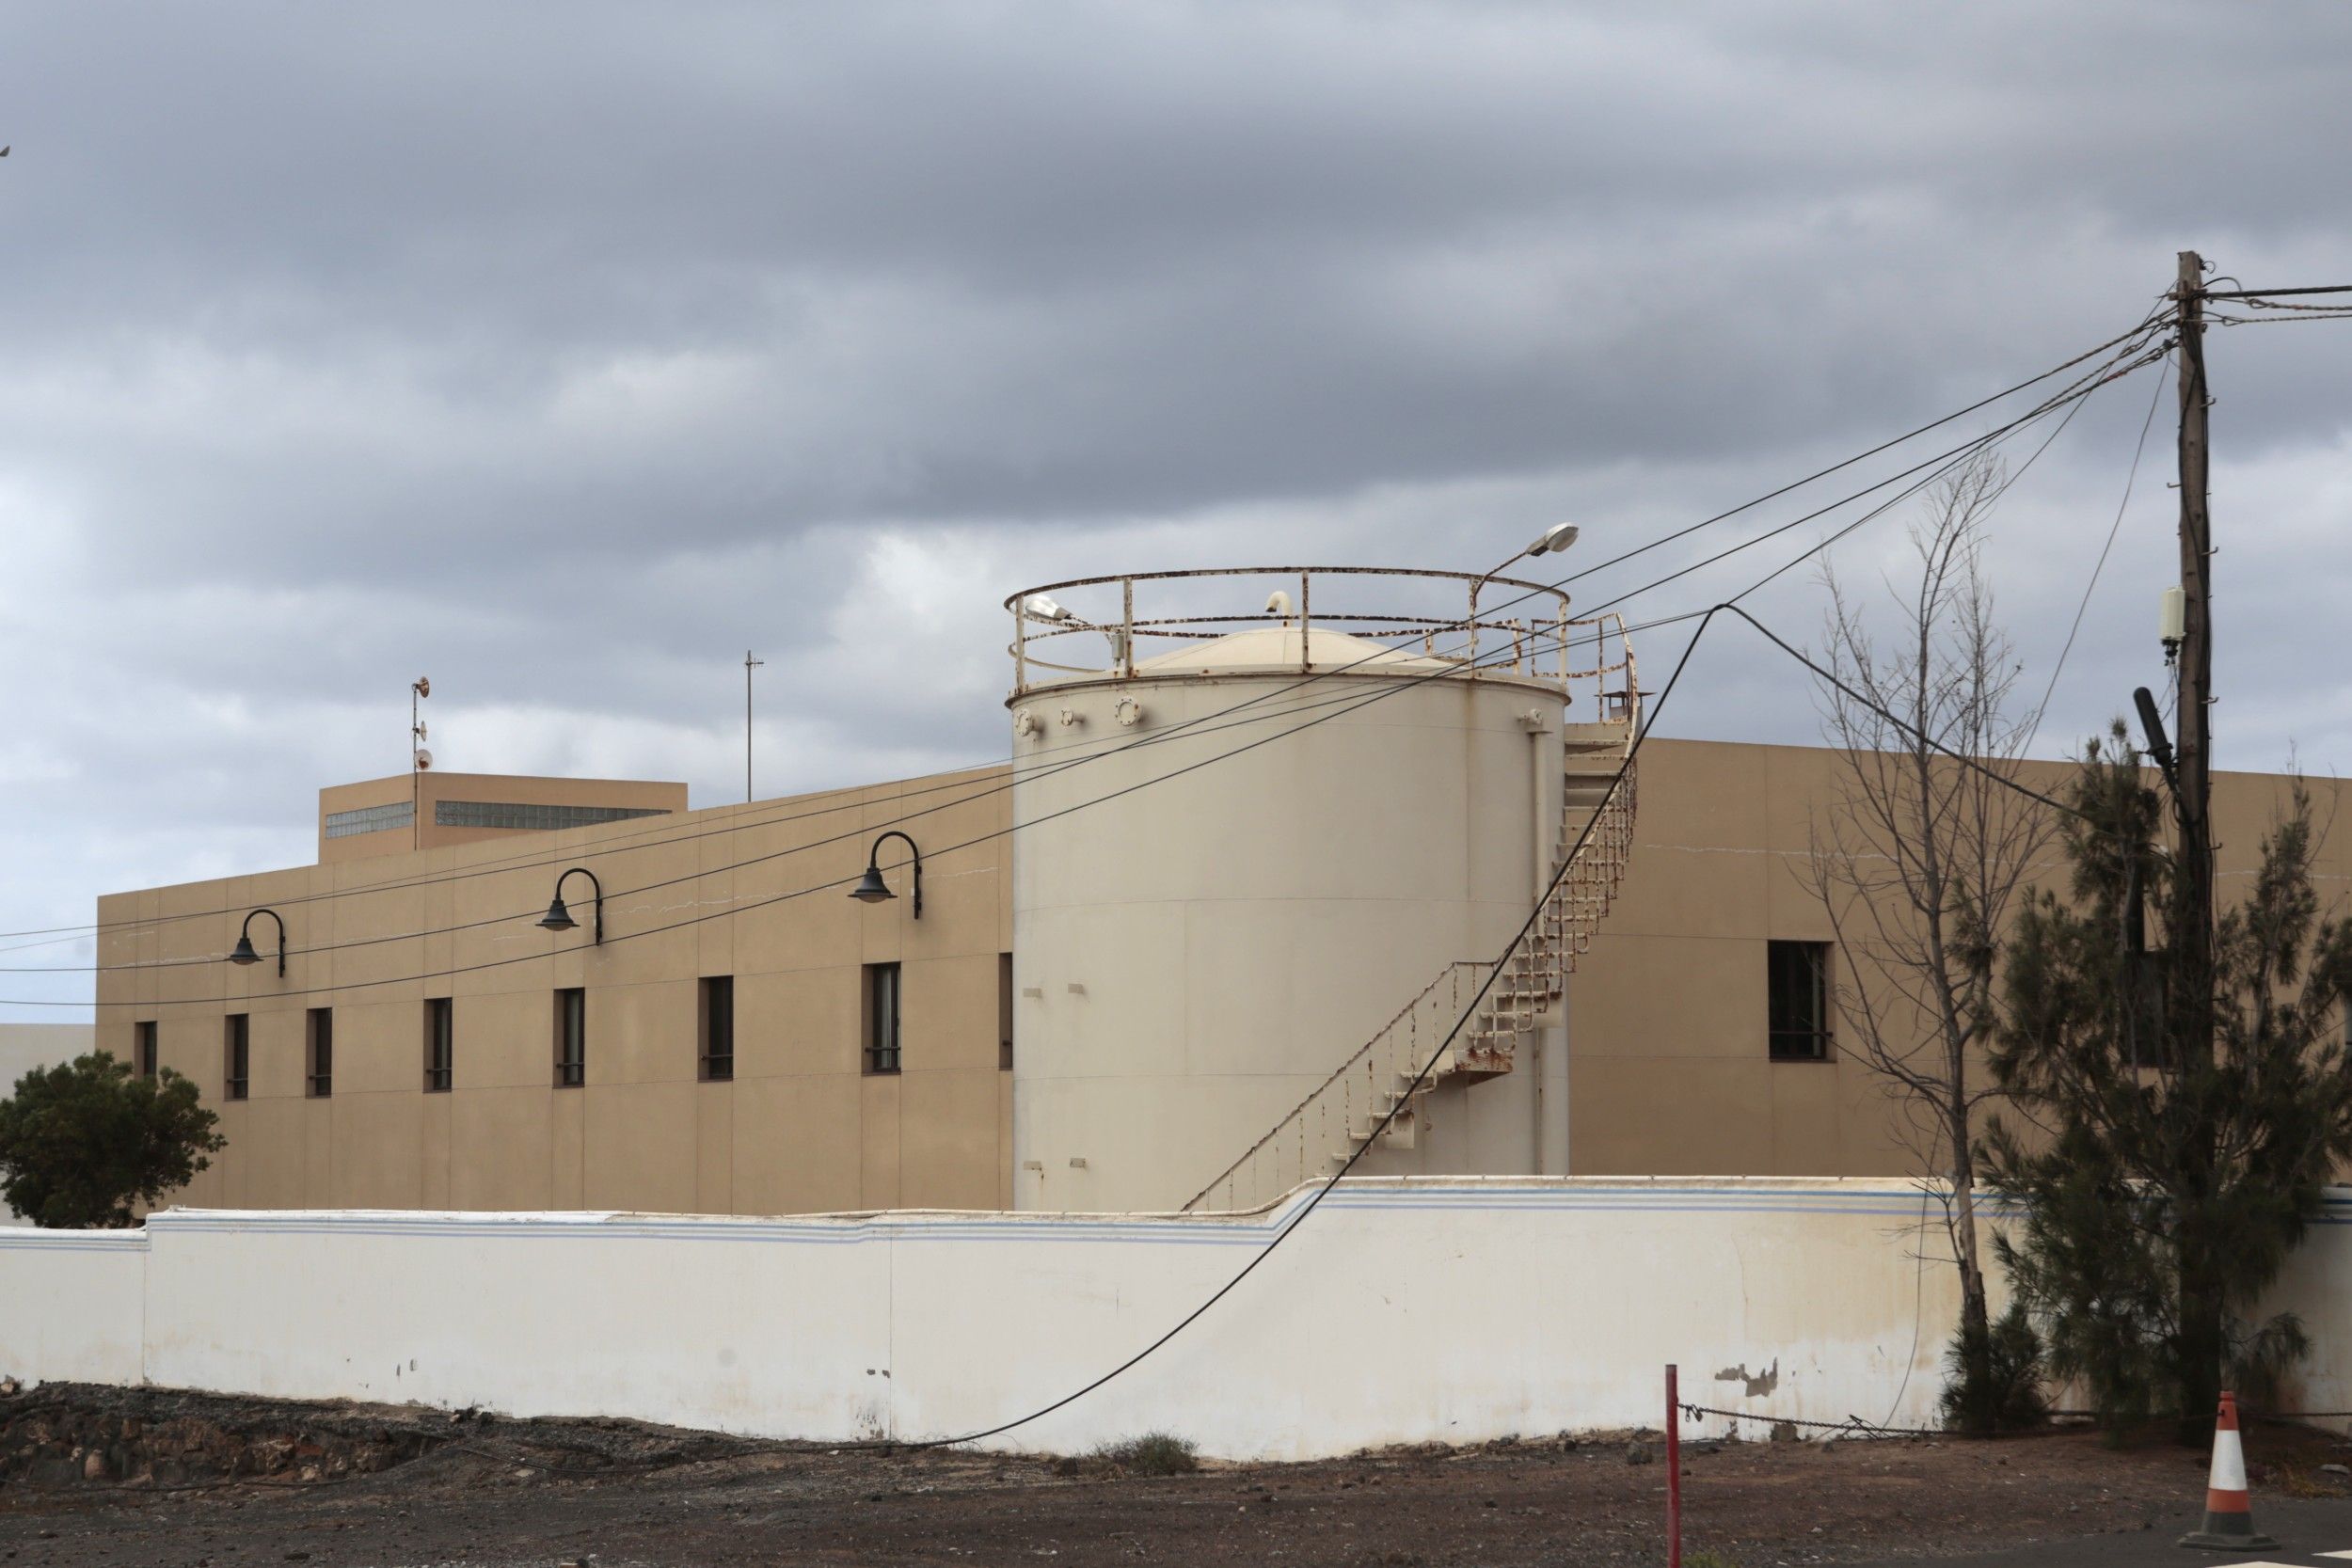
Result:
{"points": [[1673, 1466]]}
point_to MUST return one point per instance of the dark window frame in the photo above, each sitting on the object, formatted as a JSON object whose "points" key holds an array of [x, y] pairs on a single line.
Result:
{"points": [[440, 1044], [1798, 1020], [883, 1020], [714, 1028], [571, 1036], [318, 1053], [143, 1054], [236, 1075]]}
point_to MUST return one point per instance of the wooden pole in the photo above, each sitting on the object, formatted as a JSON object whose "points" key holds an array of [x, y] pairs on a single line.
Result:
{"points": [[2195, 724], [2202, 1292], [1673, 1466]]}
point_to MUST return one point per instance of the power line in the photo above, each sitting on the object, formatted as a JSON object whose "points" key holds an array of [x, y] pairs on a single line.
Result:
{"points": [[524, 861], [2130, 478], [2257, 295], [495, 963], [1324, 1191], [2082, 391], [1538, 638], [1387, 1117]]}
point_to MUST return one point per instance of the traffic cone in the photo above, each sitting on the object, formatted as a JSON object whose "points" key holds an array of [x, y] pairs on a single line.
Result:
{"points": [[2229, 1514]]}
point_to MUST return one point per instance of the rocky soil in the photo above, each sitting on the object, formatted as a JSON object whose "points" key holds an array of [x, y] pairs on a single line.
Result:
{"points": [[124, 1476]]}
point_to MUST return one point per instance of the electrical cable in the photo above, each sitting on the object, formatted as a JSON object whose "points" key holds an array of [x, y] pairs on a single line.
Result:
{"points": [[1495, 972], [1322, 1191], [1386, 690], [1538, 637], [2148, 324], [2130, 478]]}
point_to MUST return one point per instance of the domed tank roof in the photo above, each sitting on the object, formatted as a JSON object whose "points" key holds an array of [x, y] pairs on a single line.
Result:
{"points": [[1278, 648]]}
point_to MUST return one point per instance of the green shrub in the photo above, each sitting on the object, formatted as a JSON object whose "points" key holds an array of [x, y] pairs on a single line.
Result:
{"points": [[1155, 1454]]}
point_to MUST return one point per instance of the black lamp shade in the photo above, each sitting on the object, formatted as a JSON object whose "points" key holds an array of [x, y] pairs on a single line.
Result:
{"points": [[871, 889], [558, 918], [243, 953]]}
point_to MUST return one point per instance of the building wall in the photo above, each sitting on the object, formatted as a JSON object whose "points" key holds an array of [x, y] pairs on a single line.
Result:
{"points": [[756, 892], [424, 791], [1669, 1069], [1429, 1310]]}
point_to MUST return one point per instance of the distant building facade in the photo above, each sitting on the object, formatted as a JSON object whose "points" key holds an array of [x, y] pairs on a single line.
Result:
{"points": [[1180, 999]]}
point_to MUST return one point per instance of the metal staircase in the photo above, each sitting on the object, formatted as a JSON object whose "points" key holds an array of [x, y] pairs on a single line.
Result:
{"points": [[1325, 1130]]}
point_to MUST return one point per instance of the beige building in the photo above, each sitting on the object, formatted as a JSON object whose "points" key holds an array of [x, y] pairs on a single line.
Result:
{"points": [[475, 1060], [432, 810], [1123, 989]]}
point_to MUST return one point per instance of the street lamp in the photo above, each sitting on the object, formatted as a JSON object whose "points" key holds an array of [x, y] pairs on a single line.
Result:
{"points": [[243, 953], [558, 918], [1559, 536], [871, 889]]}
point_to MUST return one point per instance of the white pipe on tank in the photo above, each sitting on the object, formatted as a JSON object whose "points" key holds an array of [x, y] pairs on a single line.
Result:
{"points": [[1539, 885]]}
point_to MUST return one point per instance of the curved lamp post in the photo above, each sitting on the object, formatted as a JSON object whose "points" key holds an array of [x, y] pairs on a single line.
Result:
{"points": [[558, 918], [1559, 536], [243, 953], [871, 889]]}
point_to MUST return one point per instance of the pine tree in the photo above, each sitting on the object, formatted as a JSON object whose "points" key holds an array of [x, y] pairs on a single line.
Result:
{"points": [[2169, 1177]]}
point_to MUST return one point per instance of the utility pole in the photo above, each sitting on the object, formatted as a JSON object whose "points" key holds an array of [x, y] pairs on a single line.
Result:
{"points": [[2195, 720], [2202, 1291], [749, 665]]}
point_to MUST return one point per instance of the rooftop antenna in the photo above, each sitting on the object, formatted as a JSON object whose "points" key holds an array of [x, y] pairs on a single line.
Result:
{"points": [[419, 759], [750, 664]]}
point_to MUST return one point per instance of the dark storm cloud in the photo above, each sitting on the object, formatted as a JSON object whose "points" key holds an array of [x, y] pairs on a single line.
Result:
{"points": [[562, 353]]}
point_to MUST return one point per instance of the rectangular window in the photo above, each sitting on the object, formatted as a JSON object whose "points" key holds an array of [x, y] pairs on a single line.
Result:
{"points": [[440, 1044], [881, 1018], [143, 1047], [370, 819], [319, 1053], [1004, 1012], [520, 816], [1798, 1003], [571, 1039], [236, 1057], [716, 1027]]}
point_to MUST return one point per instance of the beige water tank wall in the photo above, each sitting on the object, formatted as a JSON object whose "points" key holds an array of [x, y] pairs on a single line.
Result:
{"points": [[1194, 958]]}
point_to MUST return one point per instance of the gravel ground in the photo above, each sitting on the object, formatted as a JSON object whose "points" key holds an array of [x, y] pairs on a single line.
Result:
{"points": [[141, 1477]]}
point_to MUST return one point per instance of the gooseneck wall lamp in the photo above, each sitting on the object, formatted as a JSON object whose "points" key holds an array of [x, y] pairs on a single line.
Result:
{"points": [[871, 889], [558, 918], [243, 953]]}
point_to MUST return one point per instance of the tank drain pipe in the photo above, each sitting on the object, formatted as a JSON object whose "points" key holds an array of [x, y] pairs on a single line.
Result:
{"points": [[1533, 722]]}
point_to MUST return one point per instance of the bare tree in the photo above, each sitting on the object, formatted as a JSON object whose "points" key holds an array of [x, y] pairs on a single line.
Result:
{"points": [[1919, 858]]}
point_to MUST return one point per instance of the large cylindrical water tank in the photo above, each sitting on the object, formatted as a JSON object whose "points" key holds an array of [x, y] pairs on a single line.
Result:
{"points": [[1232, 864]]}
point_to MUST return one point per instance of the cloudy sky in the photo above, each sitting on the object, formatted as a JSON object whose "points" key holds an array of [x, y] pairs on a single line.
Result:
{"points": [[565, 353]]}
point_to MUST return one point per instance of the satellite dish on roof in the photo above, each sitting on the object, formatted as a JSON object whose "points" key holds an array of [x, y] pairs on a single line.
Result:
{"points": [[424, 759], [423, 686]]}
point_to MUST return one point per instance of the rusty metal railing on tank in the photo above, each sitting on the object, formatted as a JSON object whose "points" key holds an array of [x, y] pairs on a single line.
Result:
{"points": [[1530, 646]]}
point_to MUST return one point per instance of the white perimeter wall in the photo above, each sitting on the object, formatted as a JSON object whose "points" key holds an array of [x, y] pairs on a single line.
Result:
{"points": [[1445, 1309]]}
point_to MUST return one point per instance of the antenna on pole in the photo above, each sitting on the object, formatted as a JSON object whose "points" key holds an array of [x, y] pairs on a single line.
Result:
{"points": [[750, 664], [419, 758]]}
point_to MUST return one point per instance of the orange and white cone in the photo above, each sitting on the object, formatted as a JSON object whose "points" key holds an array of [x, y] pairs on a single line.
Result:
{"points": [[2229, 1513]]}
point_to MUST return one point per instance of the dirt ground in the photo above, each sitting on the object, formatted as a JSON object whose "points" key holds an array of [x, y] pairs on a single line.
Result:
{"points": [[143, 1477]]}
